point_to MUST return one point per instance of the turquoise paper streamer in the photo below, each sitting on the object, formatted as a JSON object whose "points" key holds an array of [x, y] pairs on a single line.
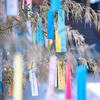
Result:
{"points": [[50, 25], [3, 1], [34, 38], [81, 82], [55, 5], [61, 29], [39, 33]]}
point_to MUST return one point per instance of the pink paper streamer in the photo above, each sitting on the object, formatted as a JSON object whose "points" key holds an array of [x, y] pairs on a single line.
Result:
{"points": [[52, 74], [68, 94], [23, 4], [29, 2]]}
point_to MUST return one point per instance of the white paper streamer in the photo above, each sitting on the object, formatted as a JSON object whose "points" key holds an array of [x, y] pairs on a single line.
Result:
{"points": [[34, 87], [12, 7]]}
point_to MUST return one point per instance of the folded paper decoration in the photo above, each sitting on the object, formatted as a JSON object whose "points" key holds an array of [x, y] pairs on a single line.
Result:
{"points": [[39, 33], [61, 29], [11, 7], [81, 73], [17, 77], [68, 94], [58, 42], [50, 25], [52, 74], [54, 5], [61, 77]]}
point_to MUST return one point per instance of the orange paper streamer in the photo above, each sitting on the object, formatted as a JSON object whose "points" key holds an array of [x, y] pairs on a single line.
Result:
{"points": [[10, 90]]}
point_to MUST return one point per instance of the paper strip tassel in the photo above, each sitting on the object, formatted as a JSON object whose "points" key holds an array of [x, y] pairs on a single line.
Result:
{"points": [[18, 77], [54, 5], [58, 42], [52, 74], [61, 29], [11, 7], [50, 25], [61, 77], [33, 83], [39, 33], [81, 82], [68, 94]]}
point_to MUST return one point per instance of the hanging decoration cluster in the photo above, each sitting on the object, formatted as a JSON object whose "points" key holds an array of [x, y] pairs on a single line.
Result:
{"points": [[29, 39]]}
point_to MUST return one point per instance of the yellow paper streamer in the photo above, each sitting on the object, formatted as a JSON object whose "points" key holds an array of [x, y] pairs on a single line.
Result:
{"points": [[18, 77], [61, 77], [58, 42]]}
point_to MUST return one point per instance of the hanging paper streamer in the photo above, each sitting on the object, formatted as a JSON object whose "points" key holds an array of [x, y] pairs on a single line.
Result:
{"points": [[50, 25], [34, 87], [58, 42], [61, 77], [34, 38], [30, 66], [61, 29], [29, 2], [0, 71], [6, 7], [18, 77], [29, 37], [3, 1], [10, 91], [39, 33], [54, 5], [11, 7], [22, 4], [1, 9], [29, 34], [68, 81], [81, 82], [19, 48], [56, 74], [52, 70]]}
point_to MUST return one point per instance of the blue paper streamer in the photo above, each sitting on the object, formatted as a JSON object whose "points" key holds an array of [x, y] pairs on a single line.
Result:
{"points": [[19, 36], [61, 29], [55, 5], [81, 73], [50, 25], [39, 33], [6, 7]]}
